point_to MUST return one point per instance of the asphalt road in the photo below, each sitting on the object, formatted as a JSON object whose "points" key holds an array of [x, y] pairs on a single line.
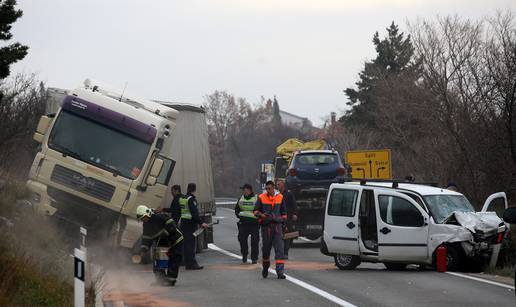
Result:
{"points": [[313, 280]]}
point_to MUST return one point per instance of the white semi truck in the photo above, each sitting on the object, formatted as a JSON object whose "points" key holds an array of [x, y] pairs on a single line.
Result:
{"points": [[104, 153]]}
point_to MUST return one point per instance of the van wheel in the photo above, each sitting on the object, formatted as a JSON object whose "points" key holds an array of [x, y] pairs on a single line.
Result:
{"points": [[453, 259], [392, 266], [346, 262]]}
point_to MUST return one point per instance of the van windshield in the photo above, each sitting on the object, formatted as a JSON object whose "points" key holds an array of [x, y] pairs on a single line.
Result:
{"points": [[442, 206], [99, 145]]}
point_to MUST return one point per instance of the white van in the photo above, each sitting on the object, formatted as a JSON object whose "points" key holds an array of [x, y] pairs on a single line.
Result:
{"points": [[400, 224]]}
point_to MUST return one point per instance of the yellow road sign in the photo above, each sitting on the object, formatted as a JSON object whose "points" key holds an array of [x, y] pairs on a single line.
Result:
{"points": [[370, 164]]}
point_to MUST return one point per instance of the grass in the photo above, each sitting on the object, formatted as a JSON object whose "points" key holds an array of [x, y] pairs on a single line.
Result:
{"points": [[35, 265]]}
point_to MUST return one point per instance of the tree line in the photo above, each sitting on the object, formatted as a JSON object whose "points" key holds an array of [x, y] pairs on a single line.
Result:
{"points": [[442, 98]]}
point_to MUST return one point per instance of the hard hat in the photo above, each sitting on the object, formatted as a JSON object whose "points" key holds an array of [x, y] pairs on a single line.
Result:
{"points": [[142, 211]]}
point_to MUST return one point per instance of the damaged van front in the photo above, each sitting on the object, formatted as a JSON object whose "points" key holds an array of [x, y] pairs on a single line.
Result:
{"points": [[477, 236]]}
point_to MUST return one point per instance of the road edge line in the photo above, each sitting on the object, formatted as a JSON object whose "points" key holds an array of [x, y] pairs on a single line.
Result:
{"points": [[320, 292], [494, 283]]}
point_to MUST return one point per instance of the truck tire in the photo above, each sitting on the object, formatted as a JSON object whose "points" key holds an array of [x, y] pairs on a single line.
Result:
{"points": [[393, 266], [346, 262]]}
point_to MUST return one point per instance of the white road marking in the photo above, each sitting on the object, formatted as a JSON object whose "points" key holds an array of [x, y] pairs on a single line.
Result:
{"points": [[481, 280], [293, 280]]}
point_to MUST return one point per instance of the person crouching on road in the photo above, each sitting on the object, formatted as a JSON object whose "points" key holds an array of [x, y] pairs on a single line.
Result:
{"points": [[248, 223], [160, 228], [189, 222], [272, 213]]}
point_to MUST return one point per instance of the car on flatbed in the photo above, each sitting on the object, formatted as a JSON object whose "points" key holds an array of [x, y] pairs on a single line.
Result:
{"points": [[309, 177], [404, 223]]}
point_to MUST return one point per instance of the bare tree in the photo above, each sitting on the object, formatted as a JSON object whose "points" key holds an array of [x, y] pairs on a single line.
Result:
{"points": [[22, 104]]}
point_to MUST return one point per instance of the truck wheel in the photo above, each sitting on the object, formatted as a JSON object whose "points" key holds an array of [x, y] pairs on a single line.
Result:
{"points": [[392, 266], [346, 262]]}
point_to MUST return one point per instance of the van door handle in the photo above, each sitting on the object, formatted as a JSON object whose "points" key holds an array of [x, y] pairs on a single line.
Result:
{"points": [[350, 225], [385, 230]]}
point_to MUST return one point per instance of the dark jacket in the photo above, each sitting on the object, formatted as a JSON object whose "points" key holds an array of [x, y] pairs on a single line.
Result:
{"points": [[290, 202], [194, 211], [244, 219], [175, 209], [162, 228]]}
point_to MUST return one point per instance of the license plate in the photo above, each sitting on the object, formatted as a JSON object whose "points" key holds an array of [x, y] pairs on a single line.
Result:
{"points": [[313, 226]]}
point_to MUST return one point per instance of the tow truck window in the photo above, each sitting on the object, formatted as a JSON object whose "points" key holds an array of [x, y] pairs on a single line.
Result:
{"points": [[342, 202], [399, 212]]}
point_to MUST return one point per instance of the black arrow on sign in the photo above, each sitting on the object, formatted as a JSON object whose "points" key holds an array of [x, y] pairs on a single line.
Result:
{"points": [[370, 169]]}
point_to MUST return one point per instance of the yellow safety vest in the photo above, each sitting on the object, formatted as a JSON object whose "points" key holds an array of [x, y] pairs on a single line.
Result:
{"points": [[185, 210], [247, 207]]}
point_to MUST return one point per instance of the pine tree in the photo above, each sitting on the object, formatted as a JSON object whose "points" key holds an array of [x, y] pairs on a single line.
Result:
{"points": [[14, 52], [276, 116], [394, 56]]}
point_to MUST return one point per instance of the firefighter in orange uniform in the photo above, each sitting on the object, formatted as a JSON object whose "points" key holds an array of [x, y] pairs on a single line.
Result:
{"points": [[272, 214]]}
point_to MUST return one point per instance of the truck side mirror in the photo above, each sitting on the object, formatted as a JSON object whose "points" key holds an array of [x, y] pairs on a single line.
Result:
{"points": [[41, 129], [156, 168], [510, 215]]}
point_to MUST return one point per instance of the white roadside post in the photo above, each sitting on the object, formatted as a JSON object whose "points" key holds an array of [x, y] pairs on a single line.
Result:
{"points": [[79, 272], [84, 232]]}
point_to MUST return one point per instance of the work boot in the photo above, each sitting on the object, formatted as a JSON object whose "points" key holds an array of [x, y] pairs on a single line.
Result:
{"points": [[244, 258], [265, 269], [281, 276], [255, 261], [195, 267]]}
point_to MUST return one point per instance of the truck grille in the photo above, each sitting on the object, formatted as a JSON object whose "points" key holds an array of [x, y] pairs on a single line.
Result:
{"points": [[80, 183]]}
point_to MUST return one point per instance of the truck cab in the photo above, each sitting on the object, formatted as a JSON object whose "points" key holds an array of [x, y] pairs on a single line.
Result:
{"points": [[102, 155], [400, 224]]}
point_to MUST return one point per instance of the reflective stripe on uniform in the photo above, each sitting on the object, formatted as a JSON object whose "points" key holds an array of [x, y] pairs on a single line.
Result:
{"points": [[159, 233]]}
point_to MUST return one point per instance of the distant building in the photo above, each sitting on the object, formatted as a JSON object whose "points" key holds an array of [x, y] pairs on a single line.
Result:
{"points": [[289, 119]]}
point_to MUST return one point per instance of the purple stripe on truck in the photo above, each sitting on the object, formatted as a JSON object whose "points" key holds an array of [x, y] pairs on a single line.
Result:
{"points": [[110, 118]]}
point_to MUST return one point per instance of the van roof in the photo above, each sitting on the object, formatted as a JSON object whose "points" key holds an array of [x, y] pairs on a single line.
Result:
{"points": [[418, 188]]}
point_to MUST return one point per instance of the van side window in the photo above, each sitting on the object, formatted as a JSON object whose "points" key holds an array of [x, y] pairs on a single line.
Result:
{"points": [[399, 212], [342, 202]]}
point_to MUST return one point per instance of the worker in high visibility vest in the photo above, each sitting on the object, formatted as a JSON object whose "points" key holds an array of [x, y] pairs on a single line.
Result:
{"points": [[248, 223], [190, 221], [272, 213]]}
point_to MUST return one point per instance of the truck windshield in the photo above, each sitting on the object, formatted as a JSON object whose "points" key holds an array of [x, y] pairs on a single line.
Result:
{"points": [[442, 206], [99, 145]]}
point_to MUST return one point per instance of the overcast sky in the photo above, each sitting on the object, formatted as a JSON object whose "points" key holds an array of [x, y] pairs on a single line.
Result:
{"points": [[303, 51]]}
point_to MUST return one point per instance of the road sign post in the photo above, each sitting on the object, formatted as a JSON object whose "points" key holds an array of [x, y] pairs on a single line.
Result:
{"points": [[370, 164], [79, 276]]}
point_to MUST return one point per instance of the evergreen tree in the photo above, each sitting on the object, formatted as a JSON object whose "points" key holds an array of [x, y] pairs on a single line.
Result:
{"points": [[14, 52], [394, 56], [276, 117]]}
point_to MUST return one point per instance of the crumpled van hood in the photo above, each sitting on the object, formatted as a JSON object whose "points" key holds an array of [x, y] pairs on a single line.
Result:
{"points": [[483, 222]]}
